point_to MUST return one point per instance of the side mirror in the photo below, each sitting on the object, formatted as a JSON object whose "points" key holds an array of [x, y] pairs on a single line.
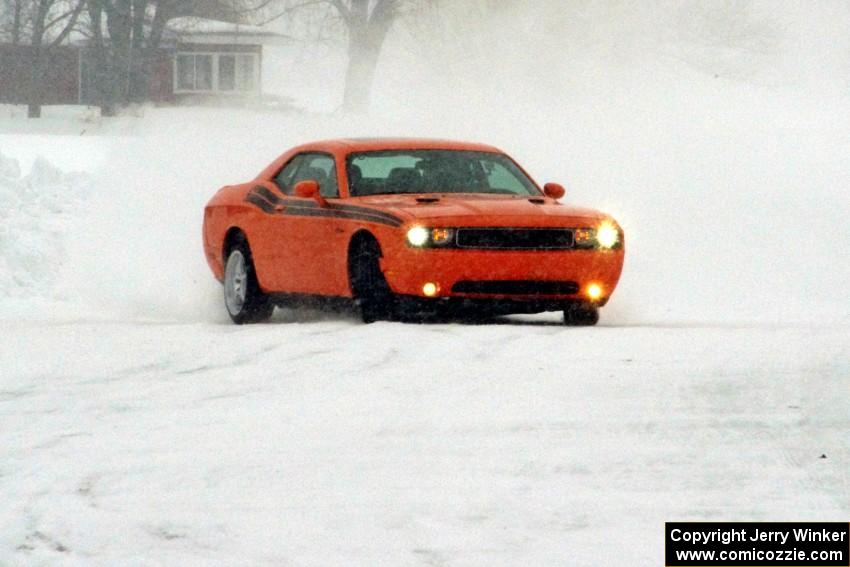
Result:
{"points": [[554, 190], [309, 189]]}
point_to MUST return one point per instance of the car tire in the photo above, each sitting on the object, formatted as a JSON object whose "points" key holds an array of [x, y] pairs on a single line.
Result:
{"points": [[243, 299], [581, 316], [372, 294]]}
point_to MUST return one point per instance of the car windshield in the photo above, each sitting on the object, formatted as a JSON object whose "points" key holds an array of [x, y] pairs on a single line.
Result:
{"points": [[435, 171]]}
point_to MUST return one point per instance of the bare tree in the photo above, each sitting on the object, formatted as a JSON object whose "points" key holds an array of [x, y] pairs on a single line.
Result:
{"points": [[52, 21], [14, 19], [367, 30], [36, 27], [366, 24]]}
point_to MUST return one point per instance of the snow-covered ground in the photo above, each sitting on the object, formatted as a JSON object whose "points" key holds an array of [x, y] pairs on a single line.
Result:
{"points": [[332, 443], [139, 427]]}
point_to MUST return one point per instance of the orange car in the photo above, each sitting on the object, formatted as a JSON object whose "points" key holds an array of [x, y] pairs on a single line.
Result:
{"points": [[404, 227]]}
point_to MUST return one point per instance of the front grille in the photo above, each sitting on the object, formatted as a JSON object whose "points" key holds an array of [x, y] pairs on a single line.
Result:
{"points": [[515, 238], [516, 287]]}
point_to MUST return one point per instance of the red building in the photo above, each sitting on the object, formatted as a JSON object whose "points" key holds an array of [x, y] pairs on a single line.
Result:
{"points": [[199, 61]]}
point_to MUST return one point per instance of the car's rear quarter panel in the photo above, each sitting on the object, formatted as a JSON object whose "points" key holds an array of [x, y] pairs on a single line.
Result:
{"points": [[286, 266], [225, 211]]}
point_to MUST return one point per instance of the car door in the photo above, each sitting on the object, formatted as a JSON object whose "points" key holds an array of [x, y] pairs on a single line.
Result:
{"points": [[308, 237]]}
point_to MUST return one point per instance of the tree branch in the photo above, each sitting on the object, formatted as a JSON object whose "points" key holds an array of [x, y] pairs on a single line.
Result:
{"points": [[70, 25], [343, 10], [290, 9], [250, 9], [59, 18]]}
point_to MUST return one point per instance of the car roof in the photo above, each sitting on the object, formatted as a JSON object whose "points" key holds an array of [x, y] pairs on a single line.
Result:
{"points": [[348, 145]]}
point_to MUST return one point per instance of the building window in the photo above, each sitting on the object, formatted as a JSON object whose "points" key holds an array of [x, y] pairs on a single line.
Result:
{"points": [[215, 72], [203, 72], [186, 72], [194, 72], [247, 72], [226, 72]]}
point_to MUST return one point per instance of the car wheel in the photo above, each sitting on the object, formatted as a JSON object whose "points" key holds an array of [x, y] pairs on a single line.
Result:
{"points": [[372, 293], [243, 299], [581, 316]]}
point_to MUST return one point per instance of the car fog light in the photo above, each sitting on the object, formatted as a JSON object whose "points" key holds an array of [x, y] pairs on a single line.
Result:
{"points": [[430, 289], [440, 236], [594, 291], [418, 236]]}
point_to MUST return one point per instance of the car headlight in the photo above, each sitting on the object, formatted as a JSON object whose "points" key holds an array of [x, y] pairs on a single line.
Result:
{"points": [[607, 235], [420, 236]]}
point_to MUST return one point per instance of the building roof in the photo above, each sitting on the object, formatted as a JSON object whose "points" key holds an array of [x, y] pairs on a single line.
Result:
{"points": [[201, 30]]}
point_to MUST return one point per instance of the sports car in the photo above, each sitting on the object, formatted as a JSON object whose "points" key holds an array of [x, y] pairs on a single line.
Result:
{"points": [[408, 229]]}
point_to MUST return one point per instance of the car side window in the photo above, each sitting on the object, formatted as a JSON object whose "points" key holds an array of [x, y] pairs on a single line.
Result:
{"points": [[320, 168], [285, 179]]}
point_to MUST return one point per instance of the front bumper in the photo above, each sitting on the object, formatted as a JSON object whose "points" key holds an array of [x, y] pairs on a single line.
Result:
{"points": [[419, 307], [408, 269]]}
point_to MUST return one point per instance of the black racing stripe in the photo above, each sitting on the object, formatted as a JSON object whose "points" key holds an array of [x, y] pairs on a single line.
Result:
{"points": [[305, 207], [288, 201], [368, 211], [276, 199], [255, 199], [269, 195], [330, 213]]}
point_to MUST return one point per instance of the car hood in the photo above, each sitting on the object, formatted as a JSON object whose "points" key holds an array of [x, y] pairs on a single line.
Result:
{"points": [[477, 210]]}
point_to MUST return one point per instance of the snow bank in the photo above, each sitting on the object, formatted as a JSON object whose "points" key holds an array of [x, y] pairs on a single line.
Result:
{"points": [[37, 211]]}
